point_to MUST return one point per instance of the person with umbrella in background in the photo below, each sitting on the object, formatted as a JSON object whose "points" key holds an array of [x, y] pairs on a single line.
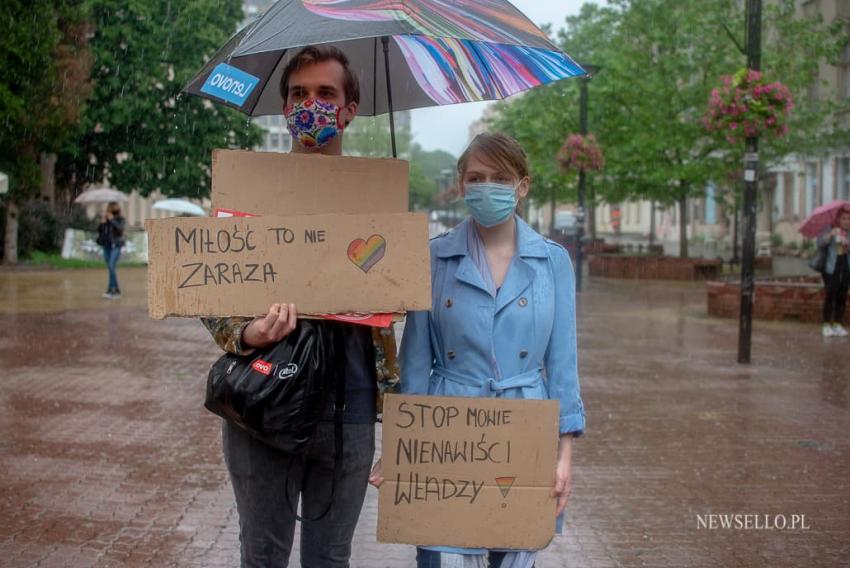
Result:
{"points": [[832, 261], [110, 236]]}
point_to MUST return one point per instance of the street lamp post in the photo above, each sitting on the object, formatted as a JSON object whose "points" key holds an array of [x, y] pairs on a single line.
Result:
{"points": [[580, 214], [745, 328]]}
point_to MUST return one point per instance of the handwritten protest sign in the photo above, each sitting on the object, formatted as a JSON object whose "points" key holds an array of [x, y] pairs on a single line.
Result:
{"points": [[322, 263], [271, 183], [469, 472]]}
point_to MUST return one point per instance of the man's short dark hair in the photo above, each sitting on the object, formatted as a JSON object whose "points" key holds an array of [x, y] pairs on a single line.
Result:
{"points": [[316, 54]]}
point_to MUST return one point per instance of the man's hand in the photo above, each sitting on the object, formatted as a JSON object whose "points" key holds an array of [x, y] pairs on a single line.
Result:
{"points": [[376, 477], [271, 328], [562, 473]]}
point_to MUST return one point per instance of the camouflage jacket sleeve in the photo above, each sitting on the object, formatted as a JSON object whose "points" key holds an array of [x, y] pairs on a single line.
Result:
{"points": [[227, 333], [386, 362]]}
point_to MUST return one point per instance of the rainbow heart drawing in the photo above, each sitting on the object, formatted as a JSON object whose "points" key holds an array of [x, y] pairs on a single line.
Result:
{"points": [[368, 253], [504, 484]]}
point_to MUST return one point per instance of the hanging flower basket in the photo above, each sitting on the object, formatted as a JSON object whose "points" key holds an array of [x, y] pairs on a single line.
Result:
{"points": [[581, 153], [745, 105]]}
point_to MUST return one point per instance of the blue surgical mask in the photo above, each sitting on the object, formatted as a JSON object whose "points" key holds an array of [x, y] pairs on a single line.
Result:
{"points": [[490, 203]]}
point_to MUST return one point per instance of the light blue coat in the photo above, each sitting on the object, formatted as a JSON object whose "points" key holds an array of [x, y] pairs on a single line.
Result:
{"points": [[529, 328]]}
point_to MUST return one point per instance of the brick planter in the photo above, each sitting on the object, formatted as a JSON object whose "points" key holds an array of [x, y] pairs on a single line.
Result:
{"points": [[599, 246], [653, 267], [795, 299]]}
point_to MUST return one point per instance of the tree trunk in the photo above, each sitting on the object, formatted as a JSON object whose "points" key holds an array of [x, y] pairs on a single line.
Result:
{"points": [[652, 223], [683, 227], [552, 205], [10, 244], [47, 162]]}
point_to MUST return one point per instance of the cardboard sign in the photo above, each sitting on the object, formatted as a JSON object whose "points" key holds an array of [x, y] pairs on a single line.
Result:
{"points": [[322, 263], [468, 472], [270, 183]]}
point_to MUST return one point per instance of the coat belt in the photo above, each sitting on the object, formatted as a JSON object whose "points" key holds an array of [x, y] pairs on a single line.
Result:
{"points": [[530, 378]]}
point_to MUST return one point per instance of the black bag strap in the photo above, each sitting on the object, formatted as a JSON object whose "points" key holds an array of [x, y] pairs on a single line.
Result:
{"points": [[339, 414]]}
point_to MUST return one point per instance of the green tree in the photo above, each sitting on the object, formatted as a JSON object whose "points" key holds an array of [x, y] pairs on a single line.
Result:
{"points": [[426, 169], [139, 132], [369, 136], [659, 61], [43, 86]]}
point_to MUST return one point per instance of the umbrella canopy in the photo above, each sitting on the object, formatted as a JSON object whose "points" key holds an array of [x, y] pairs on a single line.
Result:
{"points": [[434, 52], [101, 195], [823, 218], [180, 206]]}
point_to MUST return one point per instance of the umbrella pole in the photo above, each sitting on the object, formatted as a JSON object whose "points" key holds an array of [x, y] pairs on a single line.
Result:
{"points": [[386, 42]]}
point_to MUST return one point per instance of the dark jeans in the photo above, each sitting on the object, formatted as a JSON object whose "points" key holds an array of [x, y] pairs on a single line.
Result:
{"points": [[836, 286], [111, 255], [431, 559], [261, 475]]}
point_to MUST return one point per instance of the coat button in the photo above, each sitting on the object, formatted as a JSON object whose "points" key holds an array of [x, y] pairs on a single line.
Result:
{"points": [[523, 354], [523, 302], [449, 303], [451, 354]]}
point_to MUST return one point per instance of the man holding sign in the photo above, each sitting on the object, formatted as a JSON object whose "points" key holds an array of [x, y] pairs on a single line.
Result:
{"points": [[320, 96]]}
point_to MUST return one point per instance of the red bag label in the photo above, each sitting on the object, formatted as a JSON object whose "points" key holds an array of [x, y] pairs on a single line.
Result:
{"points": [[263, 367]]}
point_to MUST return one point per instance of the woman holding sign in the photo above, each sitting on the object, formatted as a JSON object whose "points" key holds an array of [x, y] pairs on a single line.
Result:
{"points": [[502, 322]]}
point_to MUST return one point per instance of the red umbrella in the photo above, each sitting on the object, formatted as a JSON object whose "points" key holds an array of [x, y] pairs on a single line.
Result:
{"points": [[822, 218]]}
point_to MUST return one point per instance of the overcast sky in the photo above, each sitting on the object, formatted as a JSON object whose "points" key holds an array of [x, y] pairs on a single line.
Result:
{"points": [[447, 127]]}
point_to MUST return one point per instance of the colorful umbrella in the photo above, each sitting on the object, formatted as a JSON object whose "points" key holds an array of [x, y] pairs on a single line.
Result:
{"points": [[822, 218], [406, 53]]}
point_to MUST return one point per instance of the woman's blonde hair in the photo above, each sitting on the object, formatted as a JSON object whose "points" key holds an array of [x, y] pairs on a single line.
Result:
{"points": [[499, 150]]}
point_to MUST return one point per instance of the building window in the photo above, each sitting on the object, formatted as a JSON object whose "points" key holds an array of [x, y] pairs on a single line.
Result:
{"points": [[844, 178], [811, 187]]}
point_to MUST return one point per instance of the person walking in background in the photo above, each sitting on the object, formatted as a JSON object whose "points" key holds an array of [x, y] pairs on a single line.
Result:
{"points": [[836, 274], [110, 236]]}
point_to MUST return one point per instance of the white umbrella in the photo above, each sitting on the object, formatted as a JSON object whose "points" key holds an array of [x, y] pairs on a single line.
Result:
{"points": [[180, 206], [101, 195]]}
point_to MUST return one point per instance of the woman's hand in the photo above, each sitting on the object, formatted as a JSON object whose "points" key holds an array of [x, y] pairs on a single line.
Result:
{"points": [[271, 328], [376, 477], [562, 472]]}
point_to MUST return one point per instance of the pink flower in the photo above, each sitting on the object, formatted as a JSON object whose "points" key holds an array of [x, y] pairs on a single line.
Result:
{"points": [[733, 126]]}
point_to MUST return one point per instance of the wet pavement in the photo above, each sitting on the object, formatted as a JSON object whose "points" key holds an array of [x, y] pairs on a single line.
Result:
{"points": [[109, 459]]}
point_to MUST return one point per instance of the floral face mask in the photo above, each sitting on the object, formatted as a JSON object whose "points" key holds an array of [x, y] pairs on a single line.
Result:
{"points": [[314, 123]]}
